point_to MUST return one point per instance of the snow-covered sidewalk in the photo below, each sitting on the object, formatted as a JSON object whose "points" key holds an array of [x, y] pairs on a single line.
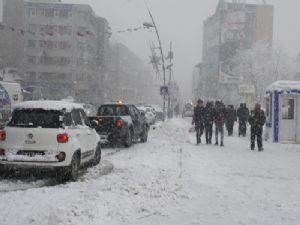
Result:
{"points": [[168, 181]]}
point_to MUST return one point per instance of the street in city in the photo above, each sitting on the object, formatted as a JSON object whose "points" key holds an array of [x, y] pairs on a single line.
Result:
{"points": [[167, 181]]}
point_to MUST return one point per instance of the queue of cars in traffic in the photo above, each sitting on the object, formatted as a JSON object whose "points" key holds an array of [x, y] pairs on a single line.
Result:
{"points": [[63, 136]]}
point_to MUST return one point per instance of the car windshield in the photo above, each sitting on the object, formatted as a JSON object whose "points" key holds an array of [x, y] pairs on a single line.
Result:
{"points": [[36, 118], [113, 110]]}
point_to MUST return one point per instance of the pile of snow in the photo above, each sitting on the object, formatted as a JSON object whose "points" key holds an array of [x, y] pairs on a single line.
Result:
{"points": [[48, 105], [284, 85]]}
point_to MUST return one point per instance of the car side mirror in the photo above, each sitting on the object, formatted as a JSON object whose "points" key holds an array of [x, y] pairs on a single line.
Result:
{"points": [[94, 124]]}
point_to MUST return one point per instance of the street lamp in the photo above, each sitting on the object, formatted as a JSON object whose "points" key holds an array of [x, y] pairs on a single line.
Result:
{"points": [[153, 25]]}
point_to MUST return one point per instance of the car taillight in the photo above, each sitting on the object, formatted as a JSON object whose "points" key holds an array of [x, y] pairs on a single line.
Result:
{"points": [[120, 123], [62, 138], [100, 120], [61, 156], [2, 135], [2, 152]]}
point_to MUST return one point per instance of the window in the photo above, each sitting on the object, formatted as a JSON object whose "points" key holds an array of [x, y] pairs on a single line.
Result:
{"points": [[63, 13], [113, 110], [56, 13], [68, 119], [31, 44], [31, 59], [31, 75], [49, 13], [36, 118], [76, 117], [84, 117], [32, 12], [288, 109], [32, 28]]}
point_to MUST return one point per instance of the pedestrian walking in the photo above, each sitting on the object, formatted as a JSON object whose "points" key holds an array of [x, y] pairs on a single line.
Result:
{"points": [[208, 121], [198, 120], [243, 116], [257, 120], [230, 119], [219, 117], [176, 109]]}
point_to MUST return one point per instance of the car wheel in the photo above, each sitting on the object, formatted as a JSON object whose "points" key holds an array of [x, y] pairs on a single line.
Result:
{"points": [[144, 137], [97, 157], [73, 170], [128, 141]]}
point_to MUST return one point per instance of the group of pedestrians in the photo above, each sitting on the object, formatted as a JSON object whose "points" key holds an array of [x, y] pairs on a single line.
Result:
{"points": [[217, 114]]}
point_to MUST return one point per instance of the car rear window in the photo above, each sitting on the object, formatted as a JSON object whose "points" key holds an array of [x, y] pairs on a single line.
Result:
{"points": [[113, 110], [36, 118]]}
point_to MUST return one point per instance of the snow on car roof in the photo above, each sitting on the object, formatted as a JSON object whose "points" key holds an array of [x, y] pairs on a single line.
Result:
{"points": [[284, 85], [48, 105]]}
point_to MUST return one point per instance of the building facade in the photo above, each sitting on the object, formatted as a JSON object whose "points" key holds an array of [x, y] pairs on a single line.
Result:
{"points": [[62, 48], [235, 26], [128, 79]]}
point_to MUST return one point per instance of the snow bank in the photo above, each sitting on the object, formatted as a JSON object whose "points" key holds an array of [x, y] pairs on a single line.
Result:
{"points": [[48, 105], [284, 85]]}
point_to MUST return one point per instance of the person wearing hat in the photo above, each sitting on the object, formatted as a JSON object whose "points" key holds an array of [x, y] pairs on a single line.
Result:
{"points": [[257, 120]]}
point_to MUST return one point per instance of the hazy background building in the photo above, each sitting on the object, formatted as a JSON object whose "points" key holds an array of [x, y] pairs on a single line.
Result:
{"points": [[233, 27], [128, 78], [60, 50]]}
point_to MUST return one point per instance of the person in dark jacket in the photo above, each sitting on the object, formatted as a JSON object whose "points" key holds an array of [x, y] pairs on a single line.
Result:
{"points": [[208, 121], [257, 120], [230, 119], [198, 120], [219, 117], [243, 115]]}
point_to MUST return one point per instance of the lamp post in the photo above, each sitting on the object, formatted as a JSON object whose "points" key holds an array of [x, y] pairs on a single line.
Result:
{"points": [[149, 25]]}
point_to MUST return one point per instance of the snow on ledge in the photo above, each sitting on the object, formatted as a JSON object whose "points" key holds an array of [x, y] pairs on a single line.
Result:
{"points": [[284, 85], [48, 105]]}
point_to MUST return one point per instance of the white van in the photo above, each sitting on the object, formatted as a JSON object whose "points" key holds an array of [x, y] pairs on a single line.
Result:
{"points": [[52, 135], [14, 92]]}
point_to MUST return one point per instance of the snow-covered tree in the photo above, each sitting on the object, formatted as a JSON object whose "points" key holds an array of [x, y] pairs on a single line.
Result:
{"points": [[261, 65]]}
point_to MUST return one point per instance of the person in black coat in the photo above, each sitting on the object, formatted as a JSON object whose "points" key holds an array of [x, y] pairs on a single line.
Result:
{"points": [[220, 118], [243, 115], [230, 119], [208, 121], [198, 120], [257, 120]]}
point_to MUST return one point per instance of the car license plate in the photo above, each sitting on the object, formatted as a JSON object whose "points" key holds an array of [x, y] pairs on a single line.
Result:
{"points": [[103, 137]]}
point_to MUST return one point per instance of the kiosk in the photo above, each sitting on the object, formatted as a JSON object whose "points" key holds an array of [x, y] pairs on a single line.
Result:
{"points": [[283, 112]]}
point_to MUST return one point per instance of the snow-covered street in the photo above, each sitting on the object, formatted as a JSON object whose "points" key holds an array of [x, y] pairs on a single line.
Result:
{"points": [[167, 181]]}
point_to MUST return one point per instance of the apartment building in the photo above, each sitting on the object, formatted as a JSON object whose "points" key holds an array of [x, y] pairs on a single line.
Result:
{"points": [[234, 26], [62, 47]]}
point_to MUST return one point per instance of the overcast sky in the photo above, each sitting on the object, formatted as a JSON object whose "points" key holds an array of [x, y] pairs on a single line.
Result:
{"points": [[180, 21]]}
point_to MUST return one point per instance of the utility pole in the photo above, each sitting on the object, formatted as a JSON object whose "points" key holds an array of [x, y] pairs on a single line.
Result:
{"points": [[170, 57], [161, 52]]}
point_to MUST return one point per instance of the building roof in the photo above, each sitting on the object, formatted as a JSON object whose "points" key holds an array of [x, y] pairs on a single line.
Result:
{"points": [[284, 85]]}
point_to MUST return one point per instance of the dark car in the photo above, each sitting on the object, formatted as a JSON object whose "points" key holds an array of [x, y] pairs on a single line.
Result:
{"points": [[121, 123]]}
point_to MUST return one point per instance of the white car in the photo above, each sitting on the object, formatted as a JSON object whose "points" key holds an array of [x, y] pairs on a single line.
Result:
{"points": [[51, 135], [149, 114]]}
